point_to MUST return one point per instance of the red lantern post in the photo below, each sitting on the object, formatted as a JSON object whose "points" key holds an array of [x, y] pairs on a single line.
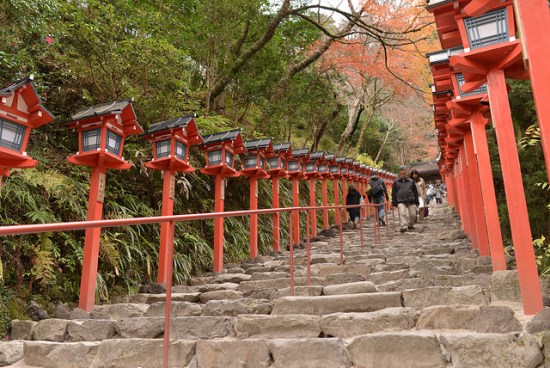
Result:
{"points": [[221, 149], [171, 141], [324, 172], [336, 175], [296, 168], [21, 111], [277, 170], [255, 168], [312, 173], [102, 130]]}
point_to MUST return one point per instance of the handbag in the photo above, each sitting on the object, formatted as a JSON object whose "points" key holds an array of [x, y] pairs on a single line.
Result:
{"points": [[426, 211]]}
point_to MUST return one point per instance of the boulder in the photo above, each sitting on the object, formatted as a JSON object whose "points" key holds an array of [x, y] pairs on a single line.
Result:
{"points": [[268, 294], [177, 309], [483, 319], [516, 350], [233, 354], [505, 286], [283, 326], [50, 330], [10, 352], [443, 295], [336, 303], [176, 297], [355, 324], [143, 353], [22, 329], [90, 330], [55, 355], [220, 295], [118, 311], [309, 353], [541, 322], [350, 288], [140, 327], [35, 311], [237, 307], [194, 328], [397, 350]]}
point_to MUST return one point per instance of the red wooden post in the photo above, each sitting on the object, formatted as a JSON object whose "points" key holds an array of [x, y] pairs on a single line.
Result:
{"points": [[534, 18], [277, 169], [219, 190], [168, 301], [488, 191], [344, 195], [515, 195], [253, 217], [324, 189], [165, 266], [338, 211], [313, 203], [276, 217], [296, 203]]}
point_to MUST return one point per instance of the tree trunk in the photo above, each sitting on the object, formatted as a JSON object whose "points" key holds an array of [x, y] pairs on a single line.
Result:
{"points": [[354, 113], [321, 131]]}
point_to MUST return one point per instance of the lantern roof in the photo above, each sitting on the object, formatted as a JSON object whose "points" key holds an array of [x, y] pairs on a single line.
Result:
{"points": [[341, 160], [186, 122], [330, 156], [124, 108], [229, 135], [257, 144], [318, 155], [300, 152], [442, 56], [281, 147], [433, 3], [349, 161], [357, 163], [39, 114]]}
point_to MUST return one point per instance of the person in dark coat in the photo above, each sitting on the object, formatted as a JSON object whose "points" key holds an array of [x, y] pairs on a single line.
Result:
{"points": [[378, 194], [405, 198], [353, 197]]}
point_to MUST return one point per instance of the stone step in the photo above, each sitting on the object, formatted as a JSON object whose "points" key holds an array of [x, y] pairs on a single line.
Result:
{"points": [[443, 295], [336, 303]]}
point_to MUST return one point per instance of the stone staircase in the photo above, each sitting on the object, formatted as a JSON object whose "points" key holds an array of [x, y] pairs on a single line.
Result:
{"points": [[420, 299]]}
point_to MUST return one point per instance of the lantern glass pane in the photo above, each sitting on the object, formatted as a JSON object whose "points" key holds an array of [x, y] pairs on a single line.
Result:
{"points": [[323, 168], [163, 148], [113, 142], [293, 166], [334, 170], [181, 150], [229, 158], [250, 162], [282, 163], [488, 29], [273, 162], [12, 135], [460, 81], [262, 162], [344, 170], [310, 167], [91, 139], [214, 157]]}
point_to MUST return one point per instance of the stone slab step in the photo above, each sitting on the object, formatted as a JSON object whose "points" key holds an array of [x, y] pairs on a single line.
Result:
{"points": [[443, 295], [336, 303], [279, 283]]}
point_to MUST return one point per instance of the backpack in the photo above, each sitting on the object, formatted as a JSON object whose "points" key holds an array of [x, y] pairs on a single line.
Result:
{"points": [[377, 190]]}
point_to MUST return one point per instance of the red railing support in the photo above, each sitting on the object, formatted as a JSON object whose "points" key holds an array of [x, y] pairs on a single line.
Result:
{"points": [[168, 301]]}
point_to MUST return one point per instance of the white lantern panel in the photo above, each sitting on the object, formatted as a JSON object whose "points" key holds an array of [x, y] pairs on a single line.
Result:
{"points": [[91, 139]]}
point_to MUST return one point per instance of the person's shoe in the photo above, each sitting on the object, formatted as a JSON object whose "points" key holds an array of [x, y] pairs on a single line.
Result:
{"points": [[382, 222], [354, 226], [403, 230]]}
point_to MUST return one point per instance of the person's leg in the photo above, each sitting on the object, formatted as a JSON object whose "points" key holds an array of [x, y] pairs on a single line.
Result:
{"points": [[382, 215], [403, 216], [421, 214], [412, 215]]}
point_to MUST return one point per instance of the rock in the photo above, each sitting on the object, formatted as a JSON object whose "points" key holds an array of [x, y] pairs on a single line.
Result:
{"points": [[194, 328], [176, 297], [309, 353], [404, 284], [10, 352], [390, 267], [343, 278], [233, 354], [22, 329], [397, 350], [215, 287], [50, 330], [62, 311], [177, 309], [302, 291], [143, 353], [278, 283], [458, 234], [546, 344], [196, 281], [443, 295], [35, 312], [325, 258], [55, 355], [383, 277], [354, 324], [358, 269], [139, 298], [153, 288], [505, 286], [237, 307], [541, 322], [483, 280], [492, 350], [90, 330], [284, 326], [78, 313], [256, 268], [466, 263], [220, 295], [236, 278], [336, 303], [119, 311], [268, 294], [268, 275], [483, 319], [351, 288], [178, 289], [140, 327]]}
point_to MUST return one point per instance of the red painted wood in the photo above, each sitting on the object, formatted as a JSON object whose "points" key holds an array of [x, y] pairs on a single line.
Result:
{"points": [[219, 188], [276, 217], [165, 265], [254, 217]]}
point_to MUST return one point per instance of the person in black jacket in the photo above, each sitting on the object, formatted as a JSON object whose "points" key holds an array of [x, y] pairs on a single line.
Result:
{"points": [[353, 197], [378, 194], [405, 198]]}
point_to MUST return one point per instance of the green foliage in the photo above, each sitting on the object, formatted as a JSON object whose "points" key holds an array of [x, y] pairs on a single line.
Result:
{"points": [[542, 254]]}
